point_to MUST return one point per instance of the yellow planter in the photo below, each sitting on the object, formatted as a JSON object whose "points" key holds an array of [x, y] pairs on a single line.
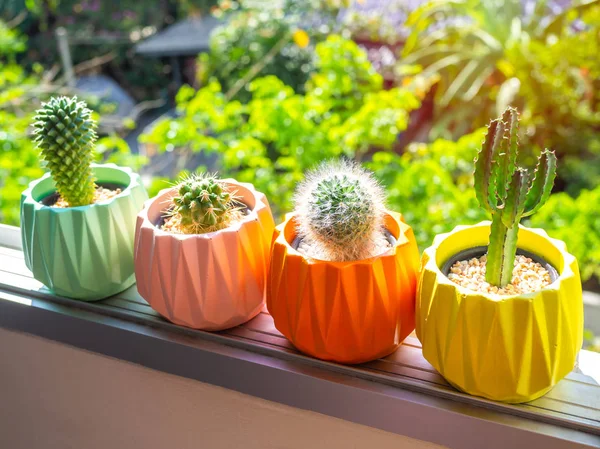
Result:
{"points": [[505, 348]]}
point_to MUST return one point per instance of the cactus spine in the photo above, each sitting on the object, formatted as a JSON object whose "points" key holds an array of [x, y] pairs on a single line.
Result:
{"points": [[203, 204], [340, 209], [65, 133], [505, 190]]}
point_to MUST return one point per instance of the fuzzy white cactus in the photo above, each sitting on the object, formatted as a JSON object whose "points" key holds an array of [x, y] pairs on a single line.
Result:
{"points": [[339, 212]]}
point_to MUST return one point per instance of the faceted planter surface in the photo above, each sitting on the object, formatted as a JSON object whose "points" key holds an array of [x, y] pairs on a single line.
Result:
{"points": [[348, 312], [206, 281], [83, 252], [505, 348]]}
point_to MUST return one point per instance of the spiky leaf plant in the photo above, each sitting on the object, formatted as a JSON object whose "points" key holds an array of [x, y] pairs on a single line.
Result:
{"points": [[65, 133], [204, 204], [340, 209], [508, 192]]}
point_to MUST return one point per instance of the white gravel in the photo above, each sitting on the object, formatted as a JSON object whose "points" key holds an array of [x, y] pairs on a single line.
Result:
{"points": [[528, 276]]}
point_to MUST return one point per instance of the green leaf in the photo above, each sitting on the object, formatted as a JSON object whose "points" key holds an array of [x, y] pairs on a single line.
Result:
{"points": [[461, 80]]}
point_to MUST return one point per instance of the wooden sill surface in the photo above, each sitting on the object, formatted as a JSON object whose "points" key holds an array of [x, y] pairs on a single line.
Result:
{"points": [[573, 404]]}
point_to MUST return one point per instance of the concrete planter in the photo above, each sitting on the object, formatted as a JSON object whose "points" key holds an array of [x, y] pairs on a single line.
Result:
{"points": [[207, 281], [83, 252], [348, 312], [505, 348]]}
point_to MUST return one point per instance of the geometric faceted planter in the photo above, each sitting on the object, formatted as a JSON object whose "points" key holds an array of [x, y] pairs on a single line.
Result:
{"points": [[505, 348], [348, 312], [83, 252], [209, 281]]}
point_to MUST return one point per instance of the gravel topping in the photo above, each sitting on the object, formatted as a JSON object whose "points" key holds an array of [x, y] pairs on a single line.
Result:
{"points": [[528, 276], [101, 194]]}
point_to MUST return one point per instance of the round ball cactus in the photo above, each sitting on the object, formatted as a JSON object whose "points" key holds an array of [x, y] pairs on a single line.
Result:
{"points": [[340, 209], [65, 133], [204, 204]]}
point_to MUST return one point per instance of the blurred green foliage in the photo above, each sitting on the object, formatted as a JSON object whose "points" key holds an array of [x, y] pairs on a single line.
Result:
{"points": [[432, 185], [557, 90], [114, 149], [103, 28], [18, 158], [245, 41], [20, 94], [576, 221], [271, 140], [97, 28], [11, 42], [19, 163], [493, 54], [590, 341], [261, 37]]}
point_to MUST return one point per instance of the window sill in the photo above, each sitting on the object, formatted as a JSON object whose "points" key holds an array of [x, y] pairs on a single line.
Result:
{"points": [[400, 393]]}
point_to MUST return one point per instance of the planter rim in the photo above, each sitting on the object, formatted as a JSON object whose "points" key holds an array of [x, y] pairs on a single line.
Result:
{"points": [[287, 229], [164, 194], [558, 246], [134, 181]]}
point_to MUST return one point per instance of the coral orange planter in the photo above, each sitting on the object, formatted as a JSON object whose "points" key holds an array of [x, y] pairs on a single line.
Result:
{"points": [[348, 312], [207, 281]]}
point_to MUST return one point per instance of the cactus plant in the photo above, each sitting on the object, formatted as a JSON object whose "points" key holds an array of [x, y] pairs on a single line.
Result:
{"points": [[65, 133], [203, 204], [340, 209], [508, 192]]}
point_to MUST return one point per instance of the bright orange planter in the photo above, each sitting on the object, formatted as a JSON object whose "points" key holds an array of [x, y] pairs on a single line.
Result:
{"points": [[348, 312]]}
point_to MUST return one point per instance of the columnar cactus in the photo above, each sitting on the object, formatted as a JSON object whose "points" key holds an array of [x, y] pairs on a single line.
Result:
{"points": [[65, 133], [505, 190], [340, 209], [204, 204]]}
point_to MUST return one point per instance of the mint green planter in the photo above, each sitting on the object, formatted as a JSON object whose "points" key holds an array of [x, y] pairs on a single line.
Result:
{"points": [[83, 252]]}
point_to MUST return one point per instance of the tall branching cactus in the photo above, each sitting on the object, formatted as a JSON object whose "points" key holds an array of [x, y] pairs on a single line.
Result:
{"points": [[508, 192], [65, 133]]}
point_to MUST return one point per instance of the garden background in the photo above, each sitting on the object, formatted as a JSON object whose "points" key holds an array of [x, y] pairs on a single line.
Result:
{"points": [[404, 87]]}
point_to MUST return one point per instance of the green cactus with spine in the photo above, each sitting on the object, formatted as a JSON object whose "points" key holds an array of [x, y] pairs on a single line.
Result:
{"points": [[340, 209], [65, 133], [204, 204], [508, 192]]}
